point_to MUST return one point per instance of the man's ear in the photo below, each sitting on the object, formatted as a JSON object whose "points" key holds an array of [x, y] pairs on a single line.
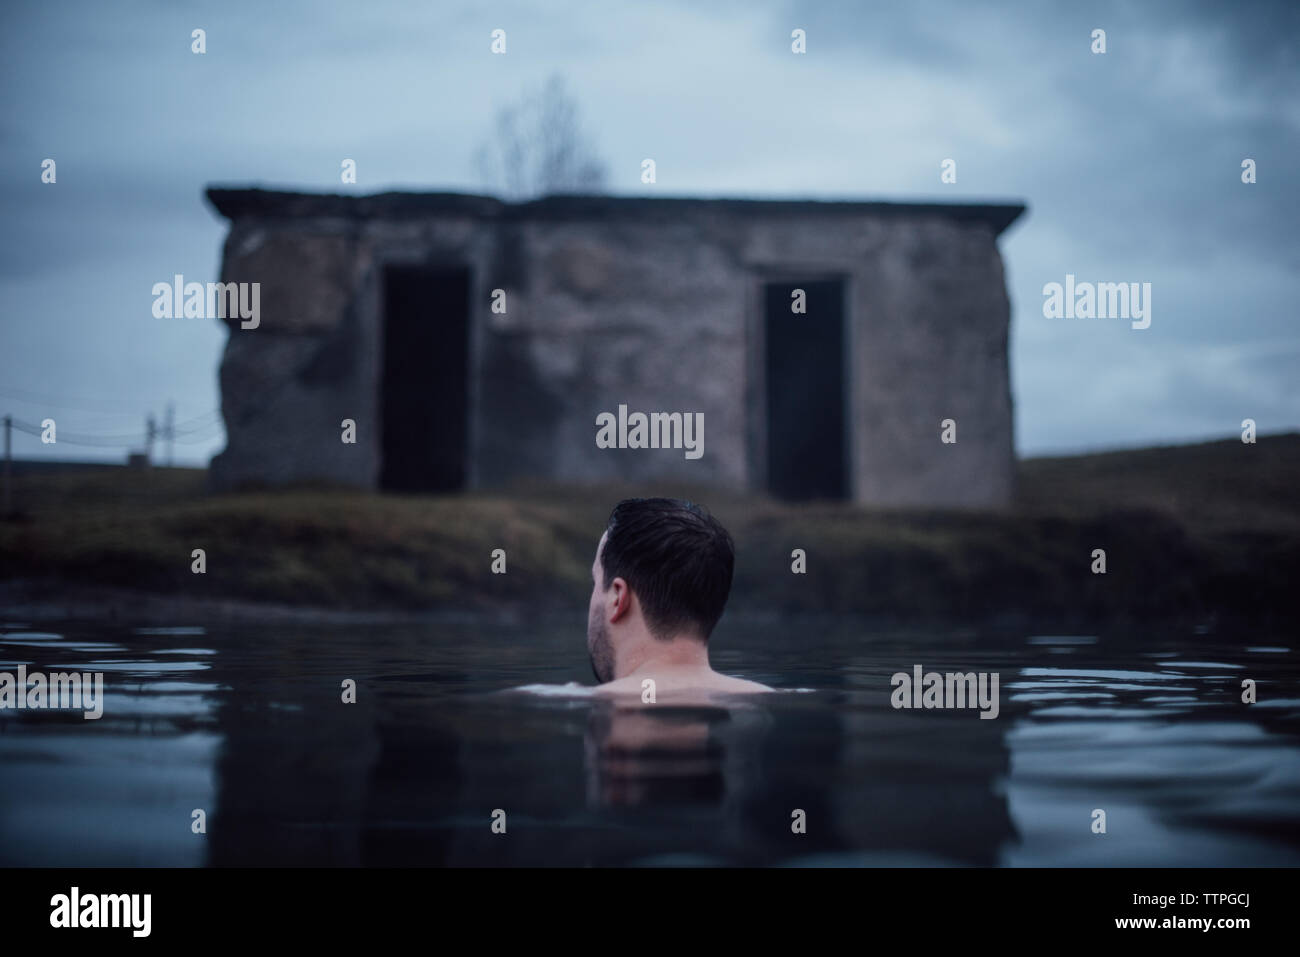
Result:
{"points": [[621, 600]]}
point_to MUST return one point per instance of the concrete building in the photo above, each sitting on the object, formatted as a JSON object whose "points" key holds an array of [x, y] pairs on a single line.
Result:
{"points": [[474, 342]]}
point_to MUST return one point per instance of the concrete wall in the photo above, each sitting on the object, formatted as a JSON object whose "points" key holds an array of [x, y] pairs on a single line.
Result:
{"points": [[660, 311], [310, 363], [647, 315]]}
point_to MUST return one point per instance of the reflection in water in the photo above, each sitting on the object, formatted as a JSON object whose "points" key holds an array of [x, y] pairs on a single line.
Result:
{"points": [[639, 754], [118, 790], [250, 726]]}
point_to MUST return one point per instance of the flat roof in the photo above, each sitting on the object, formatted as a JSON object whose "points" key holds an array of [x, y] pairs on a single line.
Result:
{"points": [[240, 202]]}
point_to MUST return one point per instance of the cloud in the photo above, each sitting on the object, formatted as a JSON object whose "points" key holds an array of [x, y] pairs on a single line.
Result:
{"points": [[1130, 161]]}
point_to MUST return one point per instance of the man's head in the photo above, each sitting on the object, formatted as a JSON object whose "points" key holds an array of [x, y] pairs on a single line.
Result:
{"points": [[663, 569]]}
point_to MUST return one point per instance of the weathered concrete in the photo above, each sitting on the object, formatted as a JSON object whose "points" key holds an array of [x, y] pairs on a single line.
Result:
{"points": [[655, 304]]}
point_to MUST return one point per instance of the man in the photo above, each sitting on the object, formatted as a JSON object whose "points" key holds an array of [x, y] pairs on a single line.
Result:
{"points": [[661, 578]]}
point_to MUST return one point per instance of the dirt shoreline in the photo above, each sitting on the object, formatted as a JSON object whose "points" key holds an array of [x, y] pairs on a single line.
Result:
{"points": [[25, 602], [1180, 536], [55, 601]]}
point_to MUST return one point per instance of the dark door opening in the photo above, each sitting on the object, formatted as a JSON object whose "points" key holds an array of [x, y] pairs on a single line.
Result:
{"points": [[805, 391], [425, 392]]}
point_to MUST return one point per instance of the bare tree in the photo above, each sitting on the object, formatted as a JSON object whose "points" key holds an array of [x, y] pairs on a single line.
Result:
{"points": [[537, 147]]}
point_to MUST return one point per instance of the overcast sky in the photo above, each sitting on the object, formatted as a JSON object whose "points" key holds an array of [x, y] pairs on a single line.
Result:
{"points": [[1130, 163]]}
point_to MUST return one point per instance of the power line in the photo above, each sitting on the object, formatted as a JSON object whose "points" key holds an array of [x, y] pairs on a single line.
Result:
{"points": [[134, 440], [199, 439], [195, 424], [103, 441], [196, 430], [70, 402]]}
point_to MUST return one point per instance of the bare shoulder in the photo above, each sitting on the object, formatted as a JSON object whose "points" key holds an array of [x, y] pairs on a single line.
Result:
{"points": [[741, 685], [620, 686], [724, 684]]}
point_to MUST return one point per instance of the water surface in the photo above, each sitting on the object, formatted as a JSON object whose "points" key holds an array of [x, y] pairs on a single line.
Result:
{"points": [[247, 723]]}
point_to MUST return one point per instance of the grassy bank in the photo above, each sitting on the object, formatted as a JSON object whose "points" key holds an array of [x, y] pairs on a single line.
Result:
{"points": [[1190, 532]]}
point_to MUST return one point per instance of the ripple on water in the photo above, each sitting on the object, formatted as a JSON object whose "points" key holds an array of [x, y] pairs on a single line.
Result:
{"points": [[1206, 664], [1092, 683], [1183, 769], [82, 646], [143, 667], [1070, 711], [1094, 673], [183, 687], [28, 637]]}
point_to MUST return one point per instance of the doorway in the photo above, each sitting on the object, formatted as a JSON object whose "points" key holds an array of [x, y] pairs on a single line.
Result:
{"points": [[804, 366], [425, 391]]}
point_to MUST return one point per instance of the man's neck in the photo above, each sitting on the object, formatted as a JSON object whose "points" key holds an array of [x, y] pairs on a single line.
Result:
{"points": [[680, 654]]}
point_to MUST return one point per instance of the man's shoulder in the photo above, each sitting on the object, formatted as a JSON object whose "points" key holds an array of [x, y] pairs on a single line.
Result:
{"points": [[725, 684], [743, 685], [619, 686]]}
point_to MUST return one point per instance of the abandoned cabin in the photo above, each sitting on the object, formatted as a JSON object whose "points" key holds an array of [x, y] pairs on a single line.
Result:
{"points": [[470, 342]]}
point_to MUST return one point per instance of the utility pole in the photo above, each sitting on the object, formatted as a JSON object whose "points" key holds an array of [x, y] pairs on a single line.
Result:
{"points": [[9, 466], [150, 433], [169, 430]]}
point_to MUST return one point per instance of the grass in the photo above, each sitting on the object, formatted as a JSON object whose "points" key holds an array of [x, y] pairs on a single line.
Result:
{"points": [[1190, 533]]}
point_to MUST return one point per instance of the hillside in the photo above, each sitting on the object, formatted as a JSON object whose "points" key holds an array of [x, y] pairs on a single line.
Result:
{"points": [[1190, 533]]}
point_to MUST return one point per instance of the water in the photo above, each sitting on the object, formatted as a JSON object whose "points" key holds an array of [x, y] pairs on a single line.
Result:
{"points": [[248, 725]]}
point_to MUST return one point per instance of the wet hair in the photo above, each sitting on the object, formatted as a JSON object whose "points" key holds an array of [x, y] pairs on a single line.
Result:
{"points": [[677, 559]]}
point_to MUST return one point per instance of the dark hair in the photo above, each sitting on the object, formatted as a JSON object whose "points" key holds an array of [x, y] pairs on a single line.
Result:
{"points": [[676, 558]]}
